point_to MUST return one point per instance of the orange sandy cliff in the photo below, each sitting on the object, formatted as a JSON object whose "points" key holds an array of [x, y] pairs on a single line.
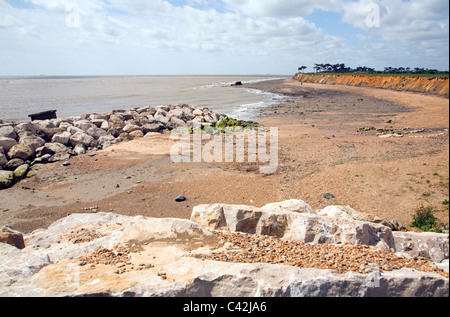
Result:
{"points": [[436, 86]]}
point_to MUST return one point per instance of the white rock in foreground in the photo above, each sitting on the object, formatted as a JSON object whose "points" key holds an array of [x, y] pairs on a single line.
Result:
{"points": [[294, 221], [428, 245], [160, 264]]}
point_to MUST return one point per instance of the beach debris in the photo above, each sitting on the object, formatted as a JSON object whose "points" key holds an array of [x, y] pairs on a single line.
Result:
{"points": [[91, 209], [51, 114], [390, 131], [66, 163]]}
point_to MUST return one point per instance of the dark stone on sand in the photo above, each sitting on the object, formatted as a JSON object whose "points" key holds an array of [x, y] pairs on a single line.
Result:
{"points": [[180, 199]]}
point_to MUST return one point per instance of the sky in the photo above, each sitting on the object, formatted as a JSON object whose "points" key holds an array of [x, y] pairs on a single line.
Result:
{"points": [[218, 37]]}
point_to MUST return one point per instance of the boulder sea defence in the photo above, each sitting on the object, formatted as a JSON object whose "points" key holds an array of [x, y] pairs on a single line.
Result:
{"points": [[25, 144], [223, 251]]}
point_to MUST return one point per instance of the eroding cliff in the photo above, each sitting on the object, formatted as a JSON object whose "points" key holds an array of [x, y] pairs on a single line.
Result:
{"points": [[435, 86]]}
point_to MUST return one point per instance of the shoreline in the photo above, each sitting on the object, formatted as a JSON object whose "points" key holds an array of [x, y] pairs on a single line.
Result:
{"points": [[320, 152], [74, 96]]}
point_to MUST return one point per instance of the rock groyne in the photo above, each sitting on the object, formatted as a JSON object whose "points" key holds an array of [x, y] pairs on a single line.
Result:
{"points": [[25, 144]]}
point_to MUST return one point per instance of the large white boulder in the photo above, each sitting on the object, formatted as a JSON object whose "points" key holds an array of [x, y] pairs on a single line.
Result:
{"points": [[62, 138], [111, 255], [295, 221], [433, 246], [7, 143], [81, 138], [7, 131], [33, 142]]}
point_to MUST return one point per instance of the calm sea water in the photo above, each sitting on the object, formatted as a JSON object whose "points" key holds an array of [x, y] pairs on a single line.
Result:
{"points": [[73, 96]]}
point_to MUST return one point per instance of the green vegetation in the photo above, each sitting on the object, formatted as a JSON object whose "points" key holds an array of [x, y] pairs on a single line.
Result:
{"points": [[226, 123], [425, 220], [328, 196], [440, 75], [233, 123], [341, 69]]}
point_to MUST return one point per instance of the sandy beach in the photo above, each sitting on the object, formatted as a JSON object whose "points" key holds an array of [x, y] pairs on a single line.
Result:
{"points": [[328, 144]]}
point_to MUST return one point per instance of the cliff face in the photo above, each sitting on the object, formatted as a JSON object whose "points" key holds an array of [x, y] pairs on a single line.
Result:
{"points": [[435, 86]]}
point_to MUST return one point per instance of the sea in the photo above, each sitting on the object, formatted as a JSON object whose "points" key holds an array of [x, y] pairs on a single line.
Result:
{"points": [[73, 96]]}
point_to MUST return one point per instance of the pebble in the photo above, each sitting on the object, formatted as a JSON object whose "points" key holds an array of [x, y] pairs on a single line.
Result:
{"points": [[66, 164], [180, 199]]}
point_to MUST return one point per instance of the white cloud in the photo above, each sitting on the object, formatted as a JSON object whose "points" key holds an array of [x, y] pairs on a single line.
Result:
{"points": [[282, 8], [413, 33], [148, 36], [422, 24]]}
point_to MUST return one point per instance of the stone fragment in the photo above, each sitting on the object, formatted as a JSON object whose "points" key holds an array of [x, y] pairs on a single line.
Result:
{"points": [[72, 130], [197, 112], [3, 159], [62, 138], [21, 171], [22, 152], [13, 164], [6, 179], [79, 149], [33, 142], [96, 133], [136, 134], [12, 237], [131, 128], [84, 125], [432, 246], [81, 138], [8, 132], [105, 126], [180, 199], [51, 148], [26, 129], [7, 143], [293, 205], [305, 227], [149, 128]]}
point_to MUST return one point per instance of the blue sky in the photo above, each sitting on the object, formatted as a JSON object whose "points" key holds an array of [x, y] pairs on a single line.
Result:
{"points": [[159, 37]]}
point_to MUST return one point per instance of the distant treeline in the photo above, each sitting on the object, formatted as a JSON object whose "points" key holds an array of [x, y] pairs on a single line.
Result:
{"points": [[341, 68]]}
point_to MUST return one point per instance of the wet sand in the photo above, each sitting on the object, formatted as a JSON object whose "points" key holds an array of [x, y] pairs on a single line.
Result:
{"points": [[320, 152]]}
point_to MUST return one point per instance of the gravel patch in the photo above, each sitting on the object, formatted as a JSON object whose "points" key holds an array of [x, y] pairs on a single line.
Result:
{"points": [[339, 258]]}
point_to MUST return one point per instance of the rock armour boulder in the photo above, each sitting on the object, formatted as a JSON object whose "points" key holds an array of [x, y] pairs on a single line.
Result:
{"points": [[294, 224], [31, 140], [106, 254]]}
